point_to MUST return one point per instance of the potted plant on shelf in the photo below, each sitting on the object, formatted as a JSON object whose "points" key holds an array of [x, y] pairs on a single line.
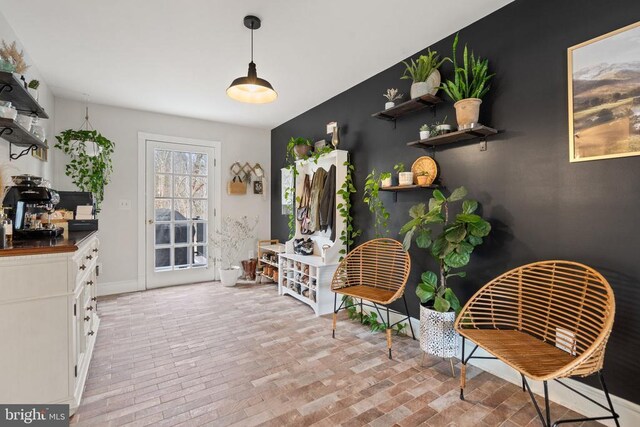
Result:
{"points": [[423, 178], [33, 88], [371, 197], [424, 74], [300, 147], [385, 179], [392, 96], [425, 131], [230, 240], [470, 84], [452, 249], [404, 178]]}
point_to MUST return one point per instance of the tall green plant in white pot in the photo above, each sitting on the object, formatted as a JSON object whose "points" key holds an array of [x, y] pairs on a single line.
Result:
{"points": [[424, 74], [469, 85], [451, 248]]}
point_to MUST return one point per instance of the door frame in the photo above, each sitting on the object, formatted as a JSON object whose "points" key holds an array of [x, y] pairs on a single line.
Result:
{"points": [[142, 196]]}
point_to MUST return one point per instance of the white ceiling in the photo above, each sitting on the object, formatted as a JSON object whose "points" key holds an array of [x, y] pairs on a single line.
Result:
{"points": [[178, 57]]}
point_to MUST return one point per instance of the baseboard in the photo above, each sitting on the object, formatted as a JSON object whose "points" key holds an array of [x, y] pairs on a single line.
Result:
{"points": [[629, 412], [121, 287]]}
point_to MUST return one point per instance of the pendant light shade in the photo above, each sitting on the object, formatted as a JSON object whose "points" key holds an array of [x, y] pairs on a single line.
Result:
{"points": [[252, 89]]}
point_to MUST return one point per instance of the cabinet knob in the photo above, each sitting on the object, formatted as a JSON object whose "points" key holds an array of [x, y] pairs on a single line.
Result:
{"points": [[90, 282], [90, 308], [95, 250], [89, 257], [90, 333], [94, 299], [83, 267], [86, 319]]}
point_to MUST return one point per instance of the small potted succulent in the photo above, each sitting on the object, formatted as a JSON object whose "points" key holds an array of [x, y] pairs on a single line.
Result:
{"points": [[300, 147], [423, 178], [404, 178], [424, 74], [392, 96], [33, 88], [425, 131]]}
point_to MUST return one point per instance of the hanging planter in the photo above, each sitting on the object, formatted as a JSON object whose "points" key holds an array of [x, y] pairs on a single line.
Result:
{"points": [[90, 166]]}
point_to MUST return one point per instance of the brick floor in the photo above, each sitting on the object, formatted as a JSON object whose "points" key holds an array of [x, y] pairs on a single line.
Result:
{"points": [[208, 355]]}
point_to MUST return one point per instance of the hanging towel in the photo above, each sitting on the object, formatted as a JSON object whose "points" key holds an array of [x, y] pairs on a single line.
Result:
{"points": [[328, 203], [317, 184]]}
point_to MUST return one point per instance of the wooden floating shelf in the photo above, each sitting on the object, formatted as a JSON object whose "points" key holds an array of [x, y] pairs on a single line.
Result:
{"points": [[410, 106], [479, 131], [395, 189], [17, 135], [12, 89]]}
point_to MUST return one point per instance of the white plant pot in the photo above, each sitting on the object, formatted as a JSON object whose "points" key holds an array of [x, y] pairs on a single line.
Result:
{"points": [[229, 276], [437, 335], [424, 134], [33, 92], [419, 89], [430, 86], [385, 182], [389, 104], [405, 178]]}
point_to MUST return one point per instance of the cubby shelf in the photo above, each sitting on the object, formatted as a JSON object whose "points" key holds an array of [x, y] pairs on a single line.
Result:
{"points": [[12, 89], [402, 188], [479, 131], [407, 107]]}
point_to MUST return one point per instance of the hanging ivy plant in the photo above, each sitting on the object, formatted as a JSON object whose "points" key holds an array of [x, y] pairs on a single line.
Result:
{"points": [[88, 172], [348, 235]]}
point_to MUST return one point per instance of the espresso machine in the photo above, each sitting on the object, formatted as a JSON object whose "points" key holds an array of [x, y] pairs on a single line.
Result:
{"points": [[27, 202]]}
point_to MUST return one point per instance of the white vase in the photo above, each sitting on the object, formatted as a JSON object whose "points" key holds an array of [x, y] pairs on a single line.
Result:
{"points": [[33, 92], [424, 134], [467, 112], [405, 178], [385, 182], [229, 276], [437, 335], [419, 89], [429, 86], [389, 104]]}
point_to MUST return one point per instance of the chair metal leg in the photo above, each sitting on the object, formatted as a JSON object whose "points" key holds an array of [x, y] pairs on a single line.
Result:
{"points": [[606, 393], [523, 389], [335, 313], [406, 307], [546, 402], [463, 372]]}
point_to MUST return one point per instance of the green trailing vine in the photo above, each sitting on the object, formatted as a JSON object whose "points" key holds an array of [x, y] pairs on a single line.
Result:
{"points": [[376, 207], [369, 319], [349, 233], [88, 173]]}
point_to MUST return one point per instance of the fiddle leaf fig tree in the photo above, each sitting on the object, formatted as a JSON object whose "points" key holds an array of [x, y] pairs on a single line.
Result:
{"points": [[90, 166], [452, 248]]}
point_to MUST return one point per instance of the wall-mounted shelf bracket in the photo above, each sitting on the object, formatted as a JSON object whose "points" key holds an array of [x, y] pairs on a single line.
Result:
{"points": [[29, 149]]}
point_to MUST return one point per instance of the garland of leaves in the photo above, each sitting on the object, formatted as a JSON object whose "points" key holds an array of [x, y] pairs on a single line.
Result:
{"points": [[372, 199], [348, 234], [88, 173]]}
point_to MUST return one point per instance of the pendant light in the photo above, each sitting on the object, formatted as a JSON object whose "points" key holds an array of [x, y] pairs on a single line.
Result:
{"points": [[252, 89]]}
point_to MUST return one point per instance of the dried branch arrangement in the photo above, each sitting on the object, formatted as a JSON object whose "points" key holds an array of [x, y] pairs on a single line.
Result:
{"points": [[11, 54]]}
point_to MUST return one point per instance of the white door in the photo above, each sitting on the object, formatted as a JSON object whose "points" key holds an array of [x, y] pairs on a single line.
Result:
{"points": [[180, 209]]}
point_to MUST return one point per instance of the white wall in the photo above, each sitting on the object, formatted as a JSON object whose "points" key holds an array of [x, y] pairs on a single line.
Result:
{"points": [[119, 228], [29, 164]]}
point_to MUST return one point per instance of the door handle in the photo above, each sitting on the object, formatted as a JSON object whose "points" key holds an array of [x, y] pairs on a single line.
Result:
{"points": [[150, 221]]}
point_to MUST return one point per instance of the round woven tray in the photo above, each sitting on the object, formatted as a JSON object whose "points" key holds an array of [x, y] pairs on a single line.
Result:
{"points": [[425, 163]]}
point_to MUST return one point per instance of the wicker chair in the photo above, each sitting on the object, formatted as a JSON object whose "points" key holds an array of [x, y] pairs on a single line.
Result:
{"points": [[547, 320], [375, 271]]}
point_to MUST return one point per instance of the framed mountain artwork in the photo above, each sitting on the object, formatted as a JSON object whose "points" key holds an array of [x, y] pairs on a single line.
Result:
{"points": [[604, 96]]}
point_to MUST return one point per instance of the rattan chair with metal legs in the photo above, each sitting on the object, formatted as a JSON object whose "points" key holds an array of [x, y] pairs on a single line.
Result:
{"points": [[547, 320], [375, 272]]}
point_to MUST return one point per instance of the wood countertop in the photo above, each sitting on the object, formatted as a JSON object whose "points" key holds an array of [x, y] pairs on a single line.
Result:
{"points": [[46, 246]]}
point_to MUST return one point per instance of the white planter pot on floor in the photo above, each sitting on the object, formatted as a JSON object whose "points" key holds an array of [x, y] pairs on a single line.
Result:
{"points": [[229, 276], [437, 335]]}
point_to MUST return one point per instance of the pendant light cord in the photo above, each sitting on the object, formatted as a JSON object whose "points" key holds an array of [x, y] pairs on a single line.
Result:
{"points": [[252, 42]]}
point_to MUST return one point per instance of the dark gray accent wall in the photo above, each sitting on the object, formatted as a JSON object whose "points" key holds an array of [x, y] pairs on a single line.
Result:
{"points": [[540, 205]]}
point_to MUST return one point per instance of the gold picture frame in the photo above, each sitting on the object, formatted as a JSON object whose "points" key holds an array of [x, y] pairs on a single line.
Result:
{"points": [[41, 154], [604, 98]]}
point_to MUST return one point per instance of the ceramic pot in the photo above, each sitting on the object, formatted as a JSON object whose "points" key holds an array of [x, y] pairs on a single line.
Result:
{"points": [[423, 179], [437, 335], [389, 104], [443, 129], [424, 134], [229, 276], [467, 112], [429, 86], [405, 178], [33, 92], [302, 151], [385, 182], [418, 89]]}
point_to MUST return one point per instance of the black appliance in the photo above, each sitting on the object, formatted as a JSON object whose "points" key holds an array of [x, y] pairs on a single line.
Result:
{"points": [[70, 200], [26, 205]]}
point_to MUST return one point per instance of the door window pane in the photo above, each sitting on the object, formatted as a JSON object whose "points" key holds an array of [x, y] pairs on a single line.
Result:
{"points": [[181, 163], [163, 258], [199, 256], [199, 187], [163, 185], [163, 161], [181, 186], [182, 230], [163, 234], [199, 163], [199, 209], [181, 256], [162, 209]]}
